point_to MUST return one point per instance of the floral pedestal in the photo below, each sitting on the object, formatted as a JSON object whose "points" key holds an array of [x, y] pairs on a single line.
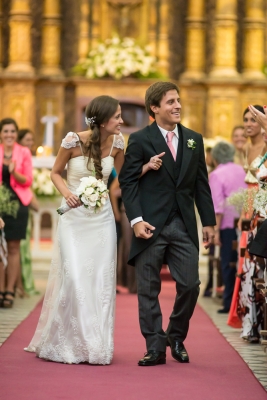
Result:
{"points": [[44, 250]]}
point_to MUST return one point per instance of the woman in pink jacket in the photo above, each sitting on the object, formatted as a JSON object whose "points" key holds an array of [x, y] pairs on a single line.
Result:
{"points": [[16, 175]]}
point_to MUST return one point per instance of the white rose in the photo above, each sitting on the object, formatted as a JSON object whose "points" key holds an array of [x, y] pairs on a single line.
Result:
{"points": [[92, 204], [94, 197], [88, 180], [103, 201], [85, 200], [88, 191], [81, 189], [105, 195]]}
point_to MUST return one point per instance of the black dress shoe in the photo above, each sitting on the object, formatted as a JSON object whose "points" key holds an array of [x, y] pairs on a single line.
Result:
{"points": [[178, 351], [223, 311], [152, 358]]}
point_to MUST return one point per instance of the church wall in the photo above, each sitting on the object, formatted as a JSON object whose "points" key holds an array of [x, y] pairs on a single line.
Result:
{"points": [[184, 35]]}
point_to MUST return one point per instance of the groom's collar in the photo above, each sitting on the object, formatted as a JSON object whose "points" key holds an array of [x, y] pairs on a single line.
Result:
{"points": [[164, 132]]}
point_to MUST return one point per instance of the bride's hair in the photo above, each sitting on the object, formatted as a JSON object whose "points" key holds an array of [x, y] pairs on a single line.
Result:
{"points": [[99, 111]]}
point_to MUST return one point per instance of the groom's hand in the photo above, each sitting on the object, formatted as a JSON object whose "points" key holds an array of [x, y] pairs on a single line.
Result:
{"points": [[143, 230], [208, 236]]}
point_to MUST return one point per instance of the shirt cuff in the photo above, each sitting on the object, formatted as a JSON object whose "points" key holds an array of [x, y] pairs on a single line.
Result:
{"points": [[135, 220]]}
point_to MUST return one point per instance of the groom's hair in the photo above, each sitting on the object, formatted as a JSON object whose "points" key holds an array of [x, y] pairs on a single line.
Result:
{"points": [[155, 93]]}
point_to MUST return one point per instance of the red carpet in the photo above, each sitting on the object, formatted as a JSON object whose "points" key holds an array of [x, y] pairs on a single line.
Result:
{"points": [[216, 371]]}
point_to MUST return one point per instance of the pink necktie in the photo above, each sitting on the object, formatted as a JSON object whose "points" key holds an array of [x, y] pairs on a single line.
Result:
{"points": [[170, 145]]}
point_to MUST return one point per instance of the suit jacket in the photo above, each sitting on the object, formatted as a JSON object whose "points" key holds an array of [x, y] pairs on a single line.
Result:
{"points": [[22, 156], [153, 195]]}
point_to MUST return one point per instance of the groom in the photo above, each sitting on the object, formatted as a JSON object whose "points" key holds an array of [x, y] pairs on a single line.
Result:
{"points": [[160, 207]]}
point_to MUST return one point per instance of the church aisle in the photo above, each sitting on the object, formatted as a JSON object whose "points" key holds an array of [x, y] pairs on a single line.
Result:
{"points": [[216, 371]]}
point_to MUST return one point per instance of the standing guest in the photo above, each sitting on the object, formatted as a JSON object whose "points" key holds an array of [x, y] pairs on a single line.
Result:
{"points": [[26, 282], [26, 138], [224, 180], [160, 206], [254, 150], [16, 175], [209, 160], [2, 273], [208, 288], [239, 140]]}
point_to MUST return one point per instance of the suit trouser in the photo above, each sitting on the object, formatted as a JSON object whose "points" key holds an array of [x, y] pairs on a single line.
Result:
{"points": [[174, 245]]}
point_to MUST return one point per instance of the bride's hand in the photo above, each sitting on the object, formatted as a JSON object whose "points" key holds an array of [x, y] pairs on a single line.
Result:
{"points": [[155, 162], [73, 201]]}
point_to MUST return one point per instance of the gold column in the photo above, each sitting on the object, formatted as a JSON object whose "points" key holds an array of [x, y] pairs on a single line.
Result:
{"points": [[20, 38], [253, 56], [51, 38], [104, 26], [84, 30], [1, 45], [144, 22], [195, 46], [163, 49], [224, 64]]}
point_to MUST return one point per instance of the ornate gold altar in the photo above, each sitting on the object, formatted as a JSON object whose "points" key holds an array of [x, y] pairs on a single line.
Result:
{"points": [[215, 50]]}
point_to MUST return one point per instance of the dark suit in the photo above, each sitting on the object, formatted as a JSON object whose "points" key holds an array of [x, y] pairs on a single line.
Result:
{"points": [[165, 199]]}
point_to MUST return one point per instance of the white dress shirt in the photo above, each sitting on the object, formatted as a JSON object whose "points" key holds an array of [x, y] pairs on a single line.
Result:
{"points": [[175, 141]]}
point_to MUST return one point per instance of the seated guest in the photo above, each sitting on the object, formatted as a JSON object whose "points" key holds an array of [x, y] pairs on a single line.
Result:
{"points": [[224, 180], [16, 175]]}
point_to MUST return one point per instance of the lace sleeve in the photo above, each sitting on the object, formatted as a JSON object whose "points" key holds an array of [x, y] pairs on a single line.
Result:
{"points": [[70, 140], [119, 142]]}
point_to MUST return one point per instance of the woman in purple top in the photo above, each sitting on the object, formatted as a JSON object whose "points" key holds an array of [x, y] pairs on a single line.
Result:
{"points": [[224, 180]]}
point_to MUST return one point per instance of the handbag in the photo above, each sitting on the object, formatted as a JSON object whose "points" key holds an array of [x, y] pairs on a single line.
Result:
{"points": [[3, 248]]}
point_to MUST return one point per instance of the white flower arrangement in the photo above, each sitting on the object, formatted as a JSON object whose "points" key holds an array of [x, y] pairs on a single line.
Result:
{"points": [[260, 202], [118, 58], [93, 194], [42, 185], [191, 144], [243, 199]]}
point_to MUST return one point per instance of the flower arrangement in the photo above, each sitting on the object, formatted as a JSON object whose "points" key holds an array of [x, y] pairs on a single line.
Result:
{"points": [[243, 199], [42, 185], [118, 58], [260, 202], [93, 194], [7, 206]]}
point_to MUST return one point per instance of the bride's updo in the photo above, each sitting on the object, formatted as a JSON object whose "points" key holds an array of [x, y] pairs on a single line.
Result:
{"points": [[97, 113]]}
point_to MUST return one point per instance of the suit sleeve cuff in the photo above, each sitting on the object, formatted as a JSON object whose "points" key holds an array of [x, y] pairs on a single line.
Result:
{"points": [[135, 220]]}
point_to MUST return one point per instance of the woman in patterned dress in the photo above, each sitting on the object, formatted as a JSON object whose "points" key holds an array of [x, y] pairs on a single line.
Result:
{"points": [[245, 309]]}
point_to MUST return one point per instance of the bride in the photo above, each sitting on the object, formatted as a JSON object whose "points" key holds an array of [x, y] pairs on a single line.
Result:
{"points": [[77, 318]]}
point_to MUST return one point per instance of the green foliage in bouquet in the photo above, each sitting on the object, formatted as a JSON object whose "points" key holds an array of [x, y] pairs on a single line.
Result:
{"points": [[42, 185], [7, 206], [118, 58]]}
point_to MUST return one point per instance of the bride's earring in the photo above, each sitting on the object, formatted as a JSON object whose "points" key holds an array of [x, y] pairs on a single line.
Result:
{"points": [[103, 126]]}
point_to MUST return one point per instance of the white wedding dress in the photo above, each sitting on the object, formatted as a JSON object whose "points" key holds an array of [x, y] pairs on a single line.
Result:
{"points": [[77, 319]]}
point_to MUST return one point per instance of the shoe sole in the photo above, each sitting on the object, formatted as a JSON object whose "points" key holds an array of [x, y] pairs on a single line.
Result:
{"points": [[161, 362]]}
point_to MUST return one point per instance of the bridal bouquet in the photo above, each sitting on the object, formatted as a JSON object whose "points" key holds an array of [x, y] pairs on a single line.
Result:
{"points": [[93, 194]]}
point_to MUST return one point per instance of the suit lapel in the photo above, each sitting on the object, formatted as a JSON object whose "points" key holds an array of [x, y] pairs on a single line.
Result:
{"points": [[160, 145], [187, 153]]}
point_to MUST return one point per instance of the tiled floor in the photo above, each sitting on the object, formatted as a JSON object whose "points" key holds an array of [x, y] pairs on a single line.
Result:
{"points": [[253, 354]]}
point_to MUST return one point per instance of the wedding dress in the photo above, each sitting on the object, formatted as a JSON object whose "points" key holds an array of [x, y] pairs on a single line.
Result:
{"points": [[77, 319]]}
